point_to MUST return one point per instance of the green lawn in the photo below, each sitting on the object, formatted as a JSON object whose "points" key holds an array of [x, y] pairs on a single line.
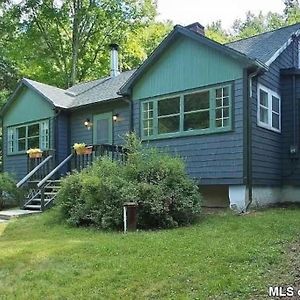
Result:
{"points": [[223, 257]]}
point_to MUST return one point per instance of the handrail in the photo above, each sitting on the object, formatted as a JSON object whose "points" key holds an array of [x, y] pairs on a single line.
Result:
{"points": [[42, 182], [32, 172]]}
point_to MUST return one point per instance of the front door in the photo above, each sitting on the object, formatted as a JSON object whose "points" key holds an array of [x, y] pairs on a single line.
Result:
{"points": [[103, 129]]}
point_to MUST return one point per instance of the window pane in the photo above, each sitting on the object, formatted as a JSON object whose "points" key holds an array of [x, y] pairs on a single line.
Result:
{"points": [[148, 132], [199, 120], [21, 145], [263, 115], [219, 113], [168, 106], [275, 104], [168, 125], [33, 130], [225, 112], [263, 98], [225, 92], [219, 93], [196, 101], [33, 143], [21, 132], [275, 121], [148, 124]]}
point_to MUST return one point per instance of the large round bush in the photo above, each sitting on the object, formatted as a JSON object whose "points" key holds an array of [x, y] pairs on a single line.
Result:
{"points": [[158, 182]]}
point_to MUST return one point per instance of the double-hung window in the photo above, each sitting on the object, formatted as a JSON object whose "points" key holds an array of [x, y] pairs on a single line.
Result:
{"points": [[23, 137], [197, 112], [268, 109]]}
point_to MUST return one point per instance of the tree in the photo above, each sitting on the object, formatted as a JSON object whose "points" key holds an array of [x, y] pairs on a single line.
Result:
{"points": [[215, 32], [73, 35]]}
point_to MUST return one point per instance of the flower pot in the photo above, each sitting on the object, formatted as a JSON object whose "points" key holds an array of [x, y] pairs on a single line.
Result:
{"points": [[88, 150], [84, 151], [35, 155]]}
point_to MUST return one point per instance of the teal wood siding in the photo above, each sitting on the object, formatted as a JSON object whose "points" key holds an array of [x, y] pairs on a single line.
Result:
{"points": [[28, 107], [186, 65], [80, 134], [267, 144], [213, 158]]}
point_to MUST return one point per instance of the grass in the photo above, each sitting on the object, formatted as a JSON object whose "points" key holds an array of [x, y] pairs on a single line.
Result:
{"points": [[222, 257]]}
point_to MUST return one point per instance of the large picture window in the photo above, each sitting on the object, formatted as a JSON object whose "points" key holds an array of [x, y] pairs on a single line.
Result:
{"points": [[22, 138], [196, 112], [268, 109]]}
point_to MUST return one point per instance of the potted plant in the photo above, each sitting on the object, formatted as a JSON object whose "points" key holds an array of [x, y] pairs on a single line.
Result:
{"points": [[82, 149], [35, 153]]}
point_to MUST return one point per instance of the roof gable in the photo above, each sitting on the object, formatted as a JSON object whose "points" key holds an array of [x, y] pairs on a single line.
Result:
{"points": [[199, 38], [186, 65]]}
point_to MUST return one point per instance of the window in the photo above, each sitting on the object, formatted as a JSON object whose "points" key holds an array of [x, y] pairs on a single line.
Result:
{"points": [[22, 138], [268, 110], [168, 114], [203, 111]]}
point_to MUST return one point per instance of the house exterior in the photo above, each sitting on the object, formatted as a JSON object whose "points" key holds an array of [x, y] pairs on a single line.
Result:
{"points": [[231, 111]]}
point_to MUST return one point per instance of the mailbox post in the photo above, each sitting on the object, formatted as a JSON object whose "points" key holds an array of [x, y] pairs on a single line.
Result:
{"points": [[130, 216]]}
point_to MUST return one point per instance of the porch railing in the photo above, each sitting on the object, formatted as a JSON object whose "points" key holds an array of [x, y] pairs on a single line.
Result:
{"points": [[114, 152], [32, 163]]}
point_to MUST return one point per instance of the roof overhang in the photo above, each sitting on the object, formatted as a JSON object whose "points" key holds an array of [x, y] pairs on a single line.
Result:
{"points": [[182, 31], [23, 82], [282, 48]]}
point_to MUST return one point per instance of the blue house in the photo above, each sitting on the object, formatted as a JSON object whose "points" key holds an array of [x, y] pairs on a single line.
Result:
{"points": [[231, 111]]}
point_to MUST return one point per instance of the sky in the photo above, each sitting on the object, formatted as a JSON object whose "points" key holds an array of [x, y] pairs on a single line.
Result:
{"points": [[185, 12]]}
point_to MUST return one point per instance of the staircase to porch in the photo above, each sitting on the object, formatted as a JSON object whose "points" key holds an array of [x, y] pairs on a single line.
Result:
{"points": [[42, 198], [44, 176]]}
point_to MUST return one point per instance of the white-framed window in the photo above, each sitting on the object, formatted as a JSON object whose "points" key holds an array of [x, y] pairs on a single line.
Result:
{"points": [[268, 109], [32, 135]]}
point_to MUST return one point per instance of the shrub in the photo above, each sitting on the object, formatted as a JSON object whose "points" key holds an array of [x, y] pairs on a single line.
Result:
{"points": [[9, 194], [156, 181]]}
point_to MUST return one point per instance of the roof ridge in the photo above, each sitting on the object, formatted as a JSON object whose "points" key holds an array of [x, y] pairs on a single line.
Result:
{"points": [[262, 33], [52, 86]]}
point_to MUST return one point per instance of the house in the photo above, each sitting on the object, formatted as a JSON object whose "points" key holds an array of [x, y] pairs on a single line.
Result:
{"points": [[231, 111]]}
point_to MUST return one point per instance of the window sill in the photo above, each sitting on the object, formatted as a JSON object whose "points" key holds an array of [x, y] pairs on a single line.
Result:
{"points": [[187, 134], [267, 127]]}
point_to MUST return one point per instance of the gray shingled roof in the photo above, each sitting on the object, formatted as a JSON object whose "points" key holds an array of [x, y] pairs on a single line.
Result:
{"points": [[99, 90], [265, 45], [84, 93], [55, 95]]}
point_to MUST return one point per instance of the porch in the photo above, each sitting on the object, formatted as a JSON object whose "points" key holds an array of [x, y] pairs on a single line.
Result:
{"points": [[44, 173]]}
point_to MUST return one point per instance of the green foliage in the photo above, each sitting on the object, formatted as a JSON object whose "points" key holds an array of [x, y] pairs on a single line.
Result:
{"points": [[9, 194], [156, 181]]}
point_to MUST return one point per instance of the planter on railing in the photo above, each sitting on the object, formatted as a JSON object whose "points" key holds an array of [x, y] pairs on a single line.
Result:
{"points": [[85, 159], [35, 153]]}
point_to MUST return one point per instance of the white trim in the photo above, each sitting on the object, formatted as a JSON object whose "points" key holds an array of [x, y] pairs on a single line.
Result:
{"points": [[282, 48], [270, 93]]}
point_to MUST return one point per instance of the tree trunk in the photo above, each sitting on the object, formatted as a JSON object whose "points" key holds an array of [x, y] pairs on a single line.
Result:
{"points": [[75, 41]]}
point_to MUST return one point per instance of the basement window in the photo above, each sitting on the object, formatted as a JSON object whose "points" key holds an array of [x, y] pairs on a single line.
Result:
{"points": [[23, 137], [201, 111], [268, 109]]}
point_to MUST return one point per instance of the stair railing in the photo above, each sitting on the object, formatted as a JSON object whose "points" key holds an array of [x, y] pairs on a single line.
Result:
{"points": [[32, 172], [57, 168]]}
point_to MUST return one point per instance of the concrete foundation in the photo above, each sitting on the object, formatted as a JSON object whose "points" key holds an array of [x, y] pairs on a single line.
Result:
{"points": [[238, 197], [215, 196], [290, 194]]}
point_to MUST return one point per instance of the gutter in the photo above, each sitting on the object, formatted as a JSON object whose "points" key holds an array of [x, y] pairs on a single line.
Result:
{"points": [[248, 140]]}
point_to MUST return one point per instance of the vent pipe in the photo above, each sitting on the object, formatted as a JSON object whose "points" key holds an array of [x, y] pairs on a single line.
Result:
{"points": [[114, 60]]}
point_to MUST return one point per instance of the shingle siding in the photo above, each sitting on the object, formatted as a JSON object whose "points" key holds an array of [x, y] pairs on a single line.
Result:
{"points": [[267, 144], [80, 134], [214, 158], [290, 167]]}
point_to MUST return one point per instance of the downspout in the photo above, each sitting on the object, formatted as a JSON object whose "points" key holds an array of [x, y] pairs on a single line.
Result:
{"points": [[249, 136]]}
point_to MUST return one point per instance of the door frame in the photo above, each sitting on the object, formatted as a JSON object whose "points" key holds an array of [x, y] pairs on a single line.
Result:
{"points": [[103, 116]]}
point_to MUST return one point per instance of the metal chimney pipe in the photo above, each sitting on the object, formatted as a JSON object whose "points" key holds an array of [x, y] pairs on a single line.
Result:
{"points": [[114, 60]]}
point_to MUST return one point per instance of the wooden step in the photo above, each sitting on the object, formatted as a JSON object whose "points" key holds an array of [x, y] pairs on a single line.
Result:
{"points": [[33, 207]]}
